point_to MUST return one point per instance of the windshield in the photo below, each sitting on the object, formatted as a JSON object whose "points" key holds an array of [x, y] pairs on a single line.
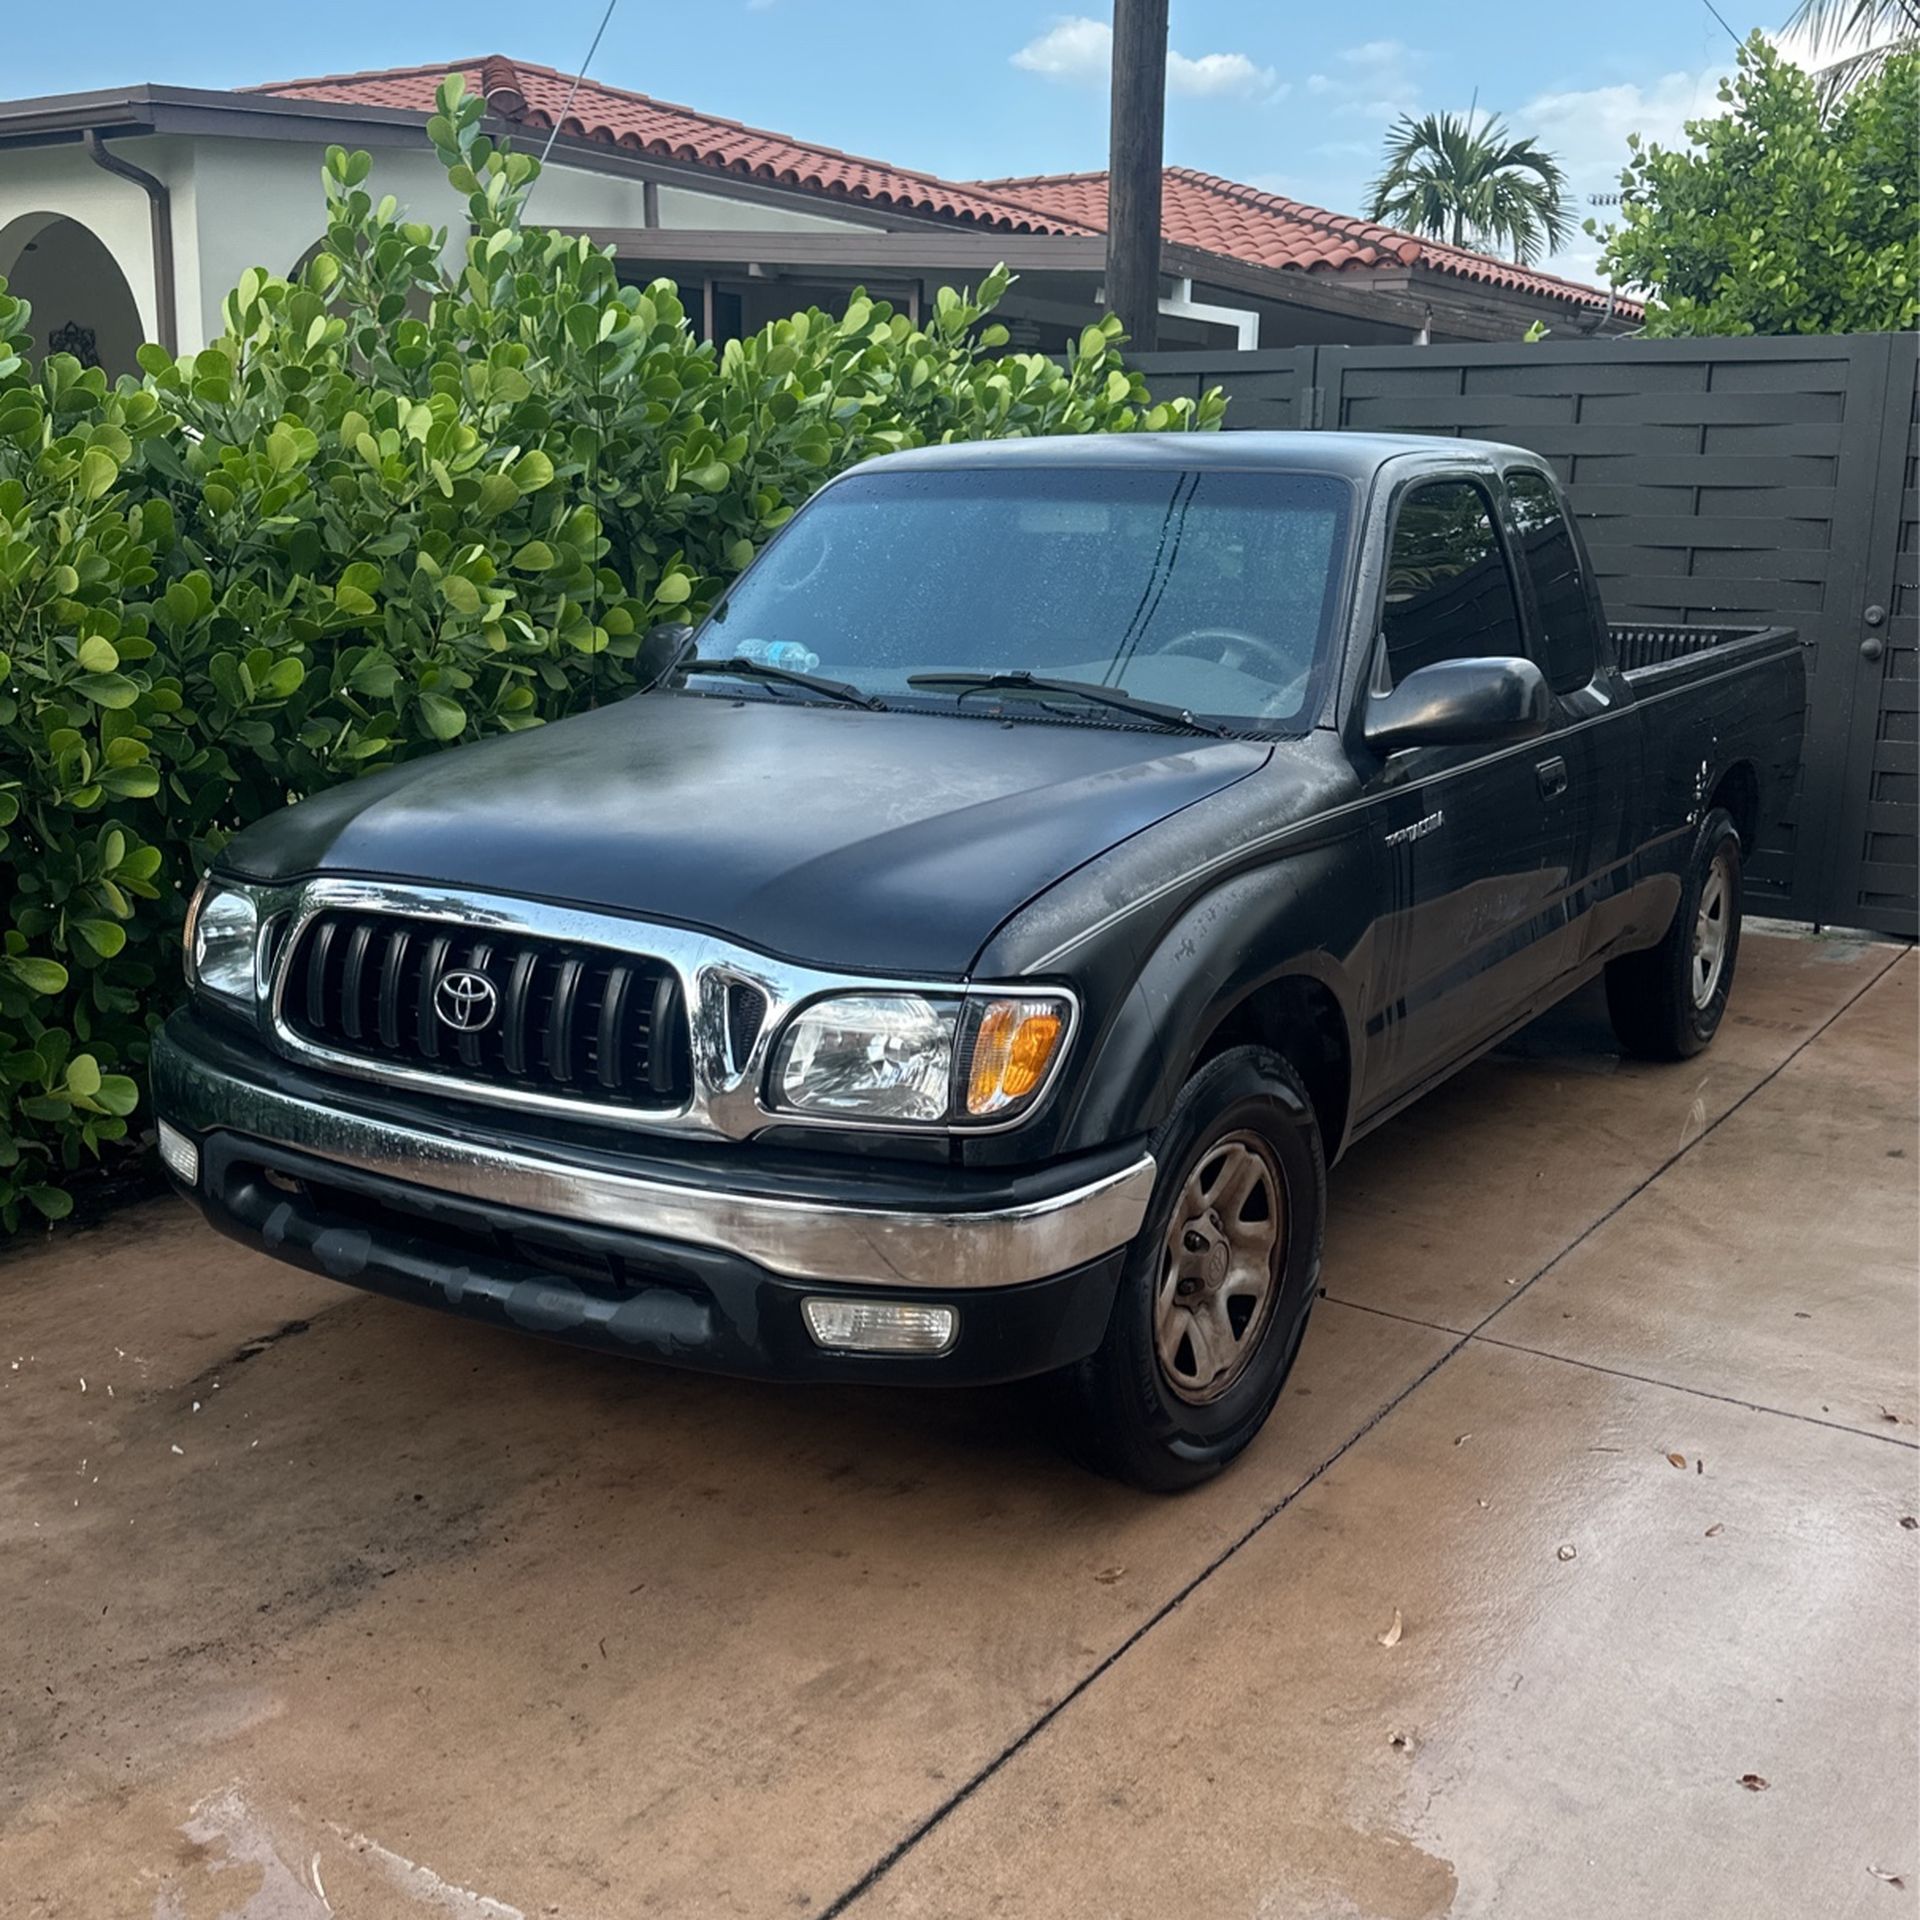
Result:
{"points": [[1206, 591]]}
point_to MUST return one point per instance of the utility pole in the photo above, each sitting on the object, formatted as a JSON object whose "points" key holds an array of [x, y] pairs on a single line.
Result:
{"points": [[1133, 167]]}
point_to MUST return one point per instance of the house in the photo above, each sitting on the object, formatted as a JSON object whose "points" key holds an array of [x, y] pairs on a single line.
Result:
{"points": [[128, 213]]}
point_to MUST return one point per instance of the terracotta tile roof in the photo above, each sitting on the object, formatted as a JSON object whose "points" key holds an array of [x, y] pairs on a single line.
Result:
{"points": [[634, 121], [1201, 210], [1242, 223]]}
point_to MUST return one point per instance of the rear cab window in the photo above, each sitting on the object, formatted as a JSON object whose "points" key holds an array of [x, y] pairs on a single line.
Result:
{"points": [[1449, 591], [1562, 604]]}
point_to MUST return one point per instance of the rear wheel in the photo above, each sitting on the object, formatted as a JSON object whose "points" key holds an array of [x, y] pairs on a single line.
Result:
{"points": [[1217, 1287], [1667, 1003]]}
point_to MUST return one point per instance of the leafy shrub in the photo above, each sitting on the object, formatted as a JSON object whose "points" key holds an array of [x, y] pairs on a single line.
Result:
{"points": [[395, 506], [1782, 219]]}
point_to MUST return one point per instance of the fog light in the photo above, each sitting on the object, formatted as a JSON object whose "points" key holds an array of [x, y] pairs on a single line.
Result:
{"points": [[880, 1326], [182, 1157]]}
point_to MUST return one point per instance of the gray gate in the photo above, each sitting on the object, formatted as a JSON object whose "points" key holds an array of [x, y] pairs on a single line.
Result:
{"points": [[1744, 481]]}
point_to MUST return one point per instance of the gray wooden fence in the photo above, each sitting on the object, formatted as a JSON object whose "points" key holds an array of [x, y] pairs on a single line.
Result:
{"points": [[1743, 481]]}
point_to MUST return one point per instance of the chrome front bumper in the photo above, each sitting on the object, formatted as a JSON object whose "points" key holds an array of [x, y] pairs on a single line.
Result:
{"points": [[812, 1240]]}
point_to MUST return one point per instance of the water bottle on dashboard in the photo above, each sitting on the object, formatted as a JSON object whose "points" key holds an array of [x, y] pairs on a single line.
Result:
{"points": [[779, 653]]}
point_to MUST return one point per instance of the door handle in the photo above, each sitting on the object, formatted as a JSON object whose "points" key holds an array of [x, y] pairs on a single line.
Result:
{"points": [[1552, 775], [1872, 647]]}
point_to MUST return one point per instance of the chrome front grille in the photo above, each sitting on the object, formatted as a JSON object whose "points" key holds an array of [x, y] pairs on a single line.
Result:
{"points": [[502, 1008], [605, 1017]]}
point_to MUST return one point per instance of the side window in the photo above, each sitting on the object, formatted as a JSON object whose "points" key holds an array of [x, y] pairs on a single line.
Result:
{"points": [[1449, 594], [1553, 565]]}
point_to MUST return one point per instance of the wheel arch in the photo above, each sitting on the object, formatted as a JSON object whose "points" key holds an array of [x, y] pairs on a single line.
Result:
{"points": [[1229, 968], [1298, 1016], [1738, 791]]}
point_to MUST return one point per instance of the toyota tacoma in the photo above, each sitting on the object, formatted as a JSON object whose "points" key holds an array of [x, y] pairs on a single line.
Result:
{"points": [[965, 957]]}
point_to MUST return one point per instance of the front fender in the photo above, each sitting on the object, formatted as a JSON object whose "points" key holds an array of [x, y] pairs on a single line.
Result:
{"points": [[1168, 933], [1239, 937]]}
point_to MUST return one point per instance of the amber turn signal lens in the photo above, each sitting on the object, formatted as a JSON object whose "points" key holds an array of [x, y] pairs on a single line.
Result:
{"points": [[1012, 1044]]}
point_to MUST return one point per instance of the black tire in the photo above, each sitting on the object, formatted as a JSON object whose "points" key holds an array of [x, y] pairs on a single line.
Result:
{"points": [[1121, 1414], [1653, 998]]}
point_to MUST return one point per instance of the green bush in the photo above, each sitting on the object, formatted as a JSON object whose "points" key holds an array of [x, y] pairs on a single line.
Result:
{"points": [[394, 507], [1781, 218]]}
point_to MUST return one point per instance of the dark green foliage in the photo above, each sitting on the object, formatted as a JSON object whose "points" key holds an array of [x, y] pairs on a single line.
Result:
{"points": [[1781, 219], [399, 504]]}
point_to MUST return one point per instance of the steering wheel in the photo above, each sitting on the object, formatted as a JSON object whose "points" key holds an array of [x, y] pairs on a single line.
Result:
{"points": [[1232, 647]]}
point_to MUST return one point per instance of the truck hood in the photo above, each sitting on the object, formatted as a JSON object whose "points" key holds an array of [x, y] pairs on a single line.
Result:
{"points": [[887, 842]]}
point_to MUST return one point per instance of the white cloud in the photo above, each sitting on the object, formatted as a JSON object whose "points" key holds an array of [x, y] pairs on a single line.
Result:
{"points": [[1587, 132], [1376, 80], [1380, 55], [1079, 51], [1072, 49], [1588, 129], [1214, 74], [1857, 36]]}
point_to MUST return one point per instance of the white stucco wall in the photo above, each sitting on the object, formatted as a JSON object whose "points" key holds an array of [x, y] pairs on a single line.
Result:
{"points": [[242, 203], [62, 180], [679, 208], [260, 203]]}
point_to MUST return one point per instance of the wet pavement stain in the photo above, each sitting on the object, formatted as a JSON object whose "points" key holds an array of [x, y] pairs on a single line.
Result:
{"points": [[586, 1638]]}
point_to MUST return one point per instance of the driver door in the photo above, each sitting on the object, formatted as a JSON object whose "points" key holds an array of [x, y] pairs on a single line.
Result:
{"points": [[1477, 844]]}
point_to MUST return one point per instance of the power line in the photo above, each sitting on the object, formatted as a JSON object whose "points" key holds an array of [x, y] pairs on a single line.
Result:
{"points": [[582, 74], [1722, 18]]}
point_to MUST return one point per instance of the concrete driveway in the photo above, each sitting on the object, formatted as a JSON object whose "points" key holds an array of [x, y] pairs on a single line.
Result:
{"points": [[312, 1603]]}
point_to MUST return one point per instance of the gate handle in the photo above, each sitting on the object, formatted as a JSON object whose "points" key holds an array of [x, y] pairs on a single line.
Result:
{"points": [[1872, 647]]}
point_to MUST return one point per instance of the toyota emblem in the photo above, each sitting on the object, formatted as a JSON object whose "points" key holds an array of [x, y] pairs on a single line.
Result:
{"points": [[465, 1001]]}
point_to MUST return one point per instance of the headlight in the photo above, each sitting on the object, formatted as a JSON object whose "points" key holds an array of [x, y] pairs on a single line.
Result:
{"points": [[919, 1060], [870, 1056], [223, 930]]}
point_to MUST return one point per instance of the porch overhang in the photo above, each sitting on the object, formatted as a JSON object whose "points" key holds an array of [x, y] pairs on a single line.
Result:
{"points": [[1415, 298]]}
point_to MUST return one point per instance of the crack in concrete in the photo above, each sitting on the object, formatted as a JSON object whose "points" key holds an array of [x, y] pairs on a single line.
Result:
{"points": [[1625, 1373], [1702, 1393]]}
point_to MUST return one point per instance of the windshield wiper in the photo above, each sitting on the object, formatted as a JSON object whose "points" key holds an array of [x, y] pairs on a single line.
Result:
{"points": [[962, 684], [744, 669]]}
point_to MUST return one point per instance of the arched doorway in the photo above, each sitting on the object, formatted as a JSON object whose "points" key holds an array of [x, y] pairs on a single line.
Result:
{"points": [[81, 302]]}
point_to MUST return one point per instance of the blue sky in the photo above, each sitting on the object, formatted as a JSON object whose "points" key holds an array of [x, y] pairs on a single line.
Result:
{"points": [[1291, 97]]}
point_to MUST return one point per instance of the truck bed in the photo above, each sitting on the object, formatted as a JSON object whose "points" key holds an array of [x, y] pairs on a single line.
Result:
{"points": [[1660, 655]]}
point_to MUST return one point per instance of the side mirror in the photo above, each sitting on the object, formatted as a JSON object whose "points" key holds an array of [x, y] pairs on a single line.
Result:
{"points": [[1461, 703], [661, 650]]}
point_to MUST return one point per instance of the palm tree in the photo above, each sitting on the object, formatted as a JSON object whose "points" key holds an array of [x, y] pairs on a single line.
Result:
{"points": [[1847, 41], [1473, 186]]}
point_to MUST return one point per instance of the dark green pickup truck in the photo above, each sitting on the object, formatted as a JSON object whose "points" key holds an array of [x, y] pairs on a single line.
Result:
{"points": [[965, 963]]}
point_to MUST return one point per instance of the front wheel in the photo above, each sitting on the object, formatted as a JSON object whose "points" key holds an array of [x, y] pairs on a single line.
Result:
{"points": [[1667, 1002], [1216, 1290]]}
